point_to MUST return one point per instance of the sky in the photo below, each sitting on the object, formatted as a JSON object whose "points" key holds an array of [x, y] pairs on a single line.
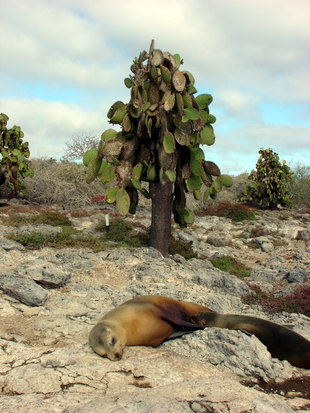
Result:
{"points": [[63, 64]]}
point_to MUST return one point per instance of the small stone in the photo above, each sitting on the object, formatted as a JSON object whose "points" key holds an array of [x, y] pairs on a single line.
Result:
{"points": [[297, 275], [217, 242], [305, 234], [267, 247], [186, 237]]}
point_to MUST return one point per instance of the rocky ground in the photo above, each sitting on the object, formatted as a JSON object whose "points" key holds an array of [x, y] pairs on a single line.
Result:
{"points": [[51, 298]]}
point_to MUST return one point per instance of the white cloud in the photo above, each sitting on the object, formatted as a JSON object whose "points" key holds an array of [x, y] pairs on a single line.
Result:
{"points": [[261, 45], [41, 42], [279, 137], [236, 150], [250, 138], [49, 125], [237, 104]]}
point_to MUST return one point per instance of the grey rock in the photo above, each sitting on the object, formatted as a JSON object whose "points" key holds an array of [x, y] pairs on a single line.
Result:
{"points": [[290, 229], [10, 245], [267, 246], [216, 241], [120, 254], [305, 234], [52, 278], [265, 278], [221, 281], [234, 350], [26, 291], [270, 227], [45, 273], [186, 237], [260, 240], [72, 259], [297, 275], [286, 291], [265, 243]]}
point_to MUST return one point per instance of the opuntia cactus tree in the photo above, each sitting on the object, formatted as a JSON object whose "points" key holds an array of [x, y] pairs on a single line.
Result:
{"points": [[269, 183], [14, 153], [163, 128]]}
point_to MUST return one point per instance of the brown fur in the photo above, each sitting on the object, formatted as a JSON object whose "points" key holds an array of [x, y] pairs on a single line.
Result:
{"points": [[144, 320]]}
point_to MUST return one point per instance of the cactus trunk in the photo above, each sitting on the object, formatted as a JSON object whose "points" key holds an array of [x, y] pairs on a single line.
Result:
{"points": [[161, 215]]}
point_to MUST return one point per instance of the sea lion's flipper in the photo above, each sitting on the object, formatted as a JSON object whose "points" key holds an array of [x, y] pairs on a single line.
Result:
{"points": [[181, 325], [178, 317]]}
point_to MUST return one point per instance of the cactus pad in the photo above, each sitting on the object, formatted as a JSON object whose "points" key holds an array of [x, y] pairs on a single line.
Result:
{"points": [[108, 135], [89, 156], [122, 201], [169, 143]]}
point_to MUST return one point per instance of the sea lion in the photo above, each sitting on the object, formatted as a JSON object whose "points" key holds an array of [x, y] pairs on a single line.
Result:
{"points": [[150, 320], [280, 341], [144, 320]]}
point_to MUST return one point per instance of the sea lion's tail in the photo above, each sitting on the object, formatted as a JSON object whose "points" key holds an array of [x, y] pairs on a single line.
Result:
{"points": [[280, 341]]}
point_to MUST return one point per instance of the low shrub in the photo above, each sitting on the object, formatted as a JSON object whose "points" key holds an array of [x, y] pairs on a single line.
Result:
{"points": [[53, 218], [231, 265], [60, 183], [300, 185], [298, 302], [181, 247], [121, 232], [68, 239], [236, 212]]}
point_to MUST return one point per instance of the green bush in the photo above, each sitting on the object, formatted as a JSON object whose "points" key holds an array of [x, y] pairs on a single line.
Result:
{"points": [[181, 247], [236, 212], [269, 186], [231, 265], [122, 233], [300, 184]]}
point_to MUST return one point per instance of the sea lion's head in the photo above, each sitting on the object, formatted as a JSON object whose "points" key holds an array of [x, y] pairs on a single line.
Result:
{"points": [[105, 342]]}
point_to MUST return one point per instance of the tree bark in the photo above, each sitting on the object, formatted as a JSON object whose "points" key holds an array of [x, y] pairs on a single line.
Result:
{"points": [[161, 216]]}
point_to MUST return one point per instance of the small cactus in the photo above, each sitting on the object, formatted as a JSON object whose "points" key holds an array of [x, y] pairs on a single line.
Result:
{"points": [[269, 183], [14, 157]]}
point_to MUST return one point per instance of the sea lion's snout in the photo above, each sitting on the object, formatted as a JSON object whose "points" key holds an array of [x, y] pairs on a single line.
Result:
{"points": [[115, 356]]}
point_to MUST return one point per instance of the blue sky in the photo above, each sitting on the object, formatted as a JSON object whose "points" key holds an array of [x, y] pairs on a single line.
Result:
{"points": [[63, 63]]}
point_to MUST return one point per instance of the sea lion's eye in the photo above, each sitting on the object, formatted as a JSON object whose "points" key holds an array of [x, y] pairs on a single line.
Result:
{"points": [[113, 341]]}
